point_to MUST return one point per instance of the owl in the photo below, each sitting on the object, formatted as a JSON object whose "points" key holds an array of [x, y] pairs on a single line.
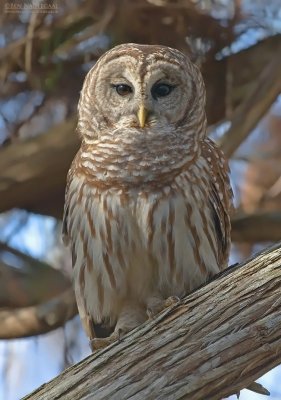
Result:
{"points": [[148, 196]]}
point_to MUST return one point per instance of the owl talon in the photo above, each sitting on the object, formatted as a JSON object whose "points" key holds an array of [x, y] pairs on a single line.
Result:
{"points": [[171, 301], [101, 343], [152, 311], [120, 334]]}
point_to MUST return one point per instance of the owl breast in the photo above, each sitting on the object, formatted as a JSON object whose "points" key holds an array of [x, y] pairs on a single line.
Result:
{"points": [[139, 244]]}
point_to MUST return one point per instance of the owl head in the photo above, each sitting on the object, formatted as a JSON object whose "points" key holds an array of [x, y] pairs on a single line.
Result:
{"points": [[145, 89]]}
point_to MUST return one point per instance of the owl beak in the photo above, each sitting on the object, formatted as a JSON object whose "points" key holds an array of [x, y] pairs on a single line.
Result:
{"points": [[142, 115]]}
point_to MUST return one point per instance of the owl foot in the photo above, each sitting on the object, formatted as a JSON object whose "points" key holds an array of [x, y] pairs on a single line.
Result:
{"points": [[101, 343], [172, 300], [157, 307]]}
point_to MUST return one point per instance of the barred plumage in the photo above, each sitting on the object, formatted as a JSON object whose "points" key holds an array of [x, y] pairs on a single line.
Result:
{"points": [[148, 197]]}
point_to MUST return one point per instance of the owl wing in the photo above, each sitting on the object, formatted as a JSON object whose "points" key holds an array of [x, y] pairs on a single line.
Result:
{"points": [[71, 172], [87, 321], [91, 328], [220, 195]]}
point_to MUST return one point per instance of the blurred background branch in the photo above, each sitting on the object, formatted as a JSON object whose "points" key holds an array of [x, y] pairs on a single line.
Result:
{"points": [[256, 104], [29, 281], [35, 320], [254, 228], [34, 297]]}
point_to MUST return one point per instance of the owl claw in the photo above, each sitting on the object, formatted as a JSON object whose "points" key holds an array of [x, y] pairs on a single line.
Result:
{"points": [[172, 300], [101, 343], [150, 313], [119, 334], [156, 309]]}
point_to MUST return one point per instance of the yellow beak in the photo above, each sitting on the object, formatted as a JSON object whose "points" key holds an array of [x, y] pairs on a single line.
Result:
{"points": [[142, 115]]}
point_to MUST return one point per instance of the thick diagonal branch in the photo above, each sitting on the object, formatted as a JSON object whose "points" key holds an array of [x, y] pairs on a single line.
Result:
{"points": [[33, 173], [216, 342]]}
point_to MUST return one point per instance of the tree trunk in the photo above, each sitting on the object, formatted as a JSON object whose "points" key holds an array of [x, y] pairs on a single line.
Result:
{"points": [[217, 341]]}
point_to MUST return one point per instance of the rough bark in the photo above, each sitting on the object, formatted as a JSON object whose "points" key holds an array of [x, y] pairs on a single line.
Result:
{"points": [[215, 342]]}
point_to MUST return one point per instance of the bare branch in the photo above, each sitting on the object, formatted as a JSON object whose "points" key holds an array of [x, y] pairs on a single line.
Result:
{"points": [[29, 43], [255, 105], [215, 342], [33, 283], [260, 227], [34, 172], [35, 320], [34, 299]]}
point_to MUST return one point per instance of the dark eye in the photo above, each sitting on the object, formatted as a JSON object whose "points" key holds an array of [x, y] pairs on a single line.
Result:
{"points": [[161, 90], [122, 89]]}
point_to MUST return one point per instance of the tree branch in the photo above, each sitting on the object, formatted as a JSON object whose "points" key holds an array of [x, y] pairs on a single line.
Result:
{"points": [[35, 320], [33, 173], [259, 227], [34, 298], [26, 281], [215, 342], [255, 105]]}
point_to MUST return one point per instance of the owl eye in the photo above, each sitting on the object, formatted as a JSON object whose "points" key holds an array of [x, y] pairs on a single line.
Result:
{"points": [[161, 90], [122, 89]]}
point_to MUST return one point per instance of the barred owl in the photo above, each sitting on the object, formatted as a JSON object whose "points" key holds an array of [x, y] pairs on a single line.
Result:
{"points": [[148, 197]]}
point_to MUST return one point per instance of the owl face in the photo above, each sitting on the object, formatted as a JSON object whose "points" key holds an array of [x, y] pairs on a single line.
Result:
{"points": [[141, 88]]}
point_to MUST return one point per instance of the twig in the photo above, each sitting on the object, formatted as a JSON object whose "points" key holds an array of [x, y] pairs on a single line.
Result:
{"points": [[28, 44]]}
